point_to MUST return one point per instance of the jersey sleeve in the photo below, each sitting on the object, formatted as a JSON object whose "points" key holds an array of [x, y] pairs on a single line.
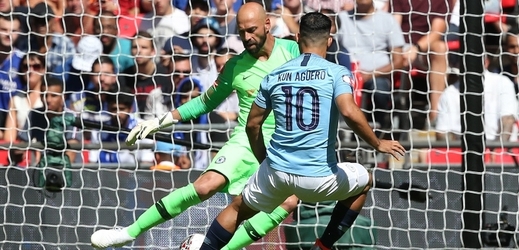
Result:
{"points": [[263, 97], [343, 82], [221, 88], [211, 99], [294, 49]]}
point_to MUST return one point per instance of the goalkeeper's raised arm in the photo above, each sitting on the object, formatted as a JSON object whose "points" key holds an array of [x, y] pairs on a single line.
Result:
{"points": [[194, 108]]}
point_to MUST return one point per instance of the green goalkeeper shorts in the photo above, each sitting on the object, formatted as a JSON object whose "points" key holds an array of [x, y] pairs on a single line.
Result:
{"points": [[236, 162]]}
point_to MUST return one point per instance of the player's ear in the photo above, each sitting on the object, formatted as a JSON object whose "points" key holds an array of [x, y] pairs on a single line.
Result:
{"points": [[297, 37], [330, 40], [267, 24]]}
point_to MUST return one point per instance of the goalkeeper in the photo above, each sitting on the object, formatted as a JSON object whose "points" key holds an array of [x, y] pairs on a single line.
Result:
{"points": [[235, 163]]}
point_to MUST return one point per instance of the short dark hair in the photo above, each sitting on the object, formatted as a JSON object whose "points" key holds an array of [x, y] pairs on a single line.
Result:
{"points": [[108, 15], [50, 81], [197, 4], [121, 95], [11, 16], [513, 32], [314, 28], [181, 57], [103, 59], [146, 35], [226, 51]]}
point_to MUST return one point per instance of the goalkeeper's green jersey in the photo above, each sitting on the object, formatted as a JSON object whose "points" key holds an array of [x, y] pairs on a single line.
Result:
{"points": [[244, 73]]}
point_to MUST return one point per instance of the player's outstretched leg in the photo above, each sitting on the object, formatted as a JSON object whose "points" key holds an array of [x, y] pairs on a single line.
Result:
{"points": [[260, 225], [343, 217], [165, 209], [225, 224]]}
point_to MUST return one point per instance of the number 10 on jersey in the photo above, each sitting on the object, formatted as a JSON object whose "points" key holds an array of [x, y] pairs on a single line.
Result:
{"points": [[299, 108]]}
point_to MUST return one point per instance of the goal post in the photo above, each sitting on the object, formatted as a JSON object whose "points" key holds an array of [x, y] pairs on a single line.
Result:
{"points": [[472, 120]]}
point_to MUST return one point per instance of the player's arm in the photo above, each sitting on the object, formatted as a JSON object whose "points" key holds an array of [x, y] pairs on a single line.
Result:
{"points": [[356, 120], [192, 109], [258, 113], [255, 120], [204, 103]]}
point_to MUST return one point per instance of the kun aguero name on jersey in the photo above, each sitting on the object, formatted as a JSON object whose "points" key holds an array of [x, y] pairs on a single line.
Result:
{"points": [[308, 75]]}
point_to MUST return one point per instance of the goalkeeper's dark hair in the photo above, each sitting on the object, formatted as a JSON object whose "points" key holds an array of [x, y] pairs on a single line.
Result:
{"points": [[120, 95], [314, 29]]}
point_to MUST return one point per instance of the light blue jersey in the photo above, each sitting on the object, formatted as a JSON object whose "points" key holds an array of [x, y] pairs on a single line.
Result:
{"points": [[302, 93]]}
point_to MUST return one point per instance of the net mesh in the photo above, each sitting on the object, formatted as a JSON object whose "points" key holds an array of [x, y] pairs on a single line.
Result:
{"points": [[120, 61]]}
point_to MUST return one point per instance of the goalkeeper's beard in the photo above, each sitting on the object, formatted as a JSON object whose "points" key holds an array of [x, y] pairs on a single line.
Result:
{"points": [[259, 45]]}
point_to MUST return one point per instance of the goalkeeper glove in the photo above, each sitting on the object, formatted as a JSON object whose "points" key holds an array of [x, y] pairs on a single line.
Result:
{"points": [[145, 128]]}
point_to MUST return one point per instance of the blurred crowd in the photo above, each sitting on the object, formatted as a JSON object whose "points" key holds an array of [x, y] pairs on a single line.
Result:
{"points": [[119, 61]]}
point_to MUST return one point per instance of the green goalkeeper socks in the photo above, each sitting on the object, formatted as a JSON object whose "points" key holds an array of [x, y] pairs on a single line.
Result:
{"points": [[256, 228], [165, 209]]}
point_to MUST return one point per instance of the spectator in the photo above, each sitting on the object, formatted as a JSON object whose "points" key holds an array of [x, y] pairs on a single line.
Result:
{"points": [[369, 35], [119, 49], [120, 107], [500, 109], [127, 8], [92, 103], [14, 9], [225, 16], [337, 53], [32, 70], [164, 21], [176, 46], [180, 67], [160, 100], [189, 88], [454, 22], [197, 10], [222, 56], [89, 49], [287, 17], [145, 75], [512, 48], [58, 48], [424, 24], [51, 114], [206, 41], [11, 7], [78, 19], [170, 157], [10, 59], [331, 5]]}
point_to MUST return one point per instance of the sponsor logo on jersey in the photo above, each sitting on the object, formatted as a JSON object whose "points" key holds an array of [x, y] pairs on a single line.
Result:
{"points": [[250, 92], [220, 160], [347, 79]]}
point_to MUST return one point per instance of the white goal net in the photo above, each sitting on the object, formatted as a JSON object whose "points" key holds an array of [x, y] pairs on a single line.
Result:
{"points": [[69, 65]]}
